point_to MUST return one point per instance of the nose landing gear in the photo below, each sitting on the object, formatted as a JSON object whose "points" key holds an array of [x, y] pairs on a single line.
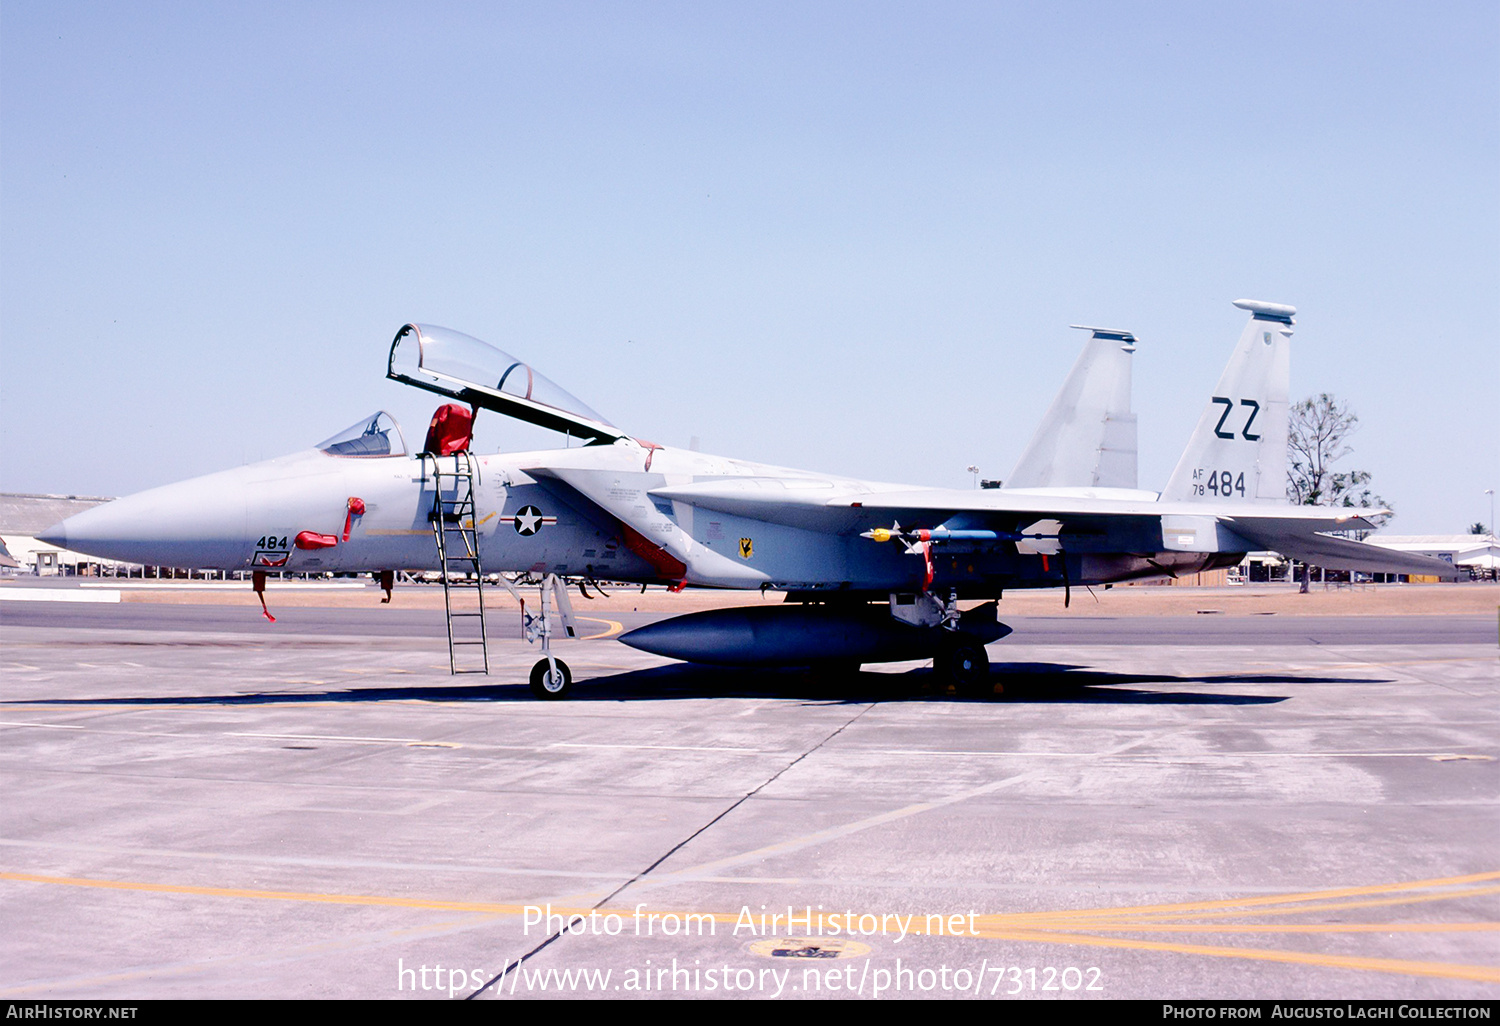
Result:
{"points": [[551, 679]]}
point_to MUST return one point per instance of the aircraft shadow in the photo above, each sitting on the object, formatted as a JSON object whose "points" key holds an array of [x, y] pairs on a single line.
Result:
{"points": [[1016, 682]]}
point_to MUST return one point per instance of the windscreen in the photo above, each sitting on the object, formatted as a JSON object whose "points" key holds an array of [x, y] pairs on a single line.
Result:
{"points": [[375, 435]]}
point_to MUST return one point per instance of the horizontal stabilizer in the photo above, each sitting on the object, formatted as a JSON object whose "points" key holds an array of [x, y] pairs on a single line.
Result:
{"points": [[1342, 553]]}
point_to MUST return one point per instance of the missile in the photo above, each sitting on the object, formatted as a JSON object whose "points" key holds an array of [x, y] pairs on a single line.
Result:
{"points": [[884, 534], [794, 634], [1041, 537]]}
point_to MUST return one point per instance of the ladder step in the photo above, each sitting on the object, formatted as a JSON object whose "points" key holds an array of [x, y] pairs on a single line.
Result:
{"points": [[453, 516]]}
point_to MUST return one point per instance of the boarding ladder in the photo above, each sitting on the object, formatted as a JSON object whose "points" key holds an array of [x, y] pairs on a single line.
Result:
{"points": [[455, 530]]}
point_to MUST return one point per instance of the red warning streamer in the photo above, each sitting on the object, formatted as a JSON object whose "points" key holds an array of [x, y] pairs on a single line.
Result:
{"points": [[258, 582]]}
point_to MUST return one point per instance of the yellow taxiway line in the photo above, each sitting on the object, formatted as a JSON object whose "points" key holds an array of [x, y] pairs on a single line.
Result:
{"points": [[1059, 927], [613, 627]]}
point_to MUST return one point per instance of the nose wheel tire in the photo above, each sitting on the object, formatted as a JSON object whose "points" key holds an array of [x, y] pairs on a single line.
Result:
{"points": [[965, 664], [550, 686]]}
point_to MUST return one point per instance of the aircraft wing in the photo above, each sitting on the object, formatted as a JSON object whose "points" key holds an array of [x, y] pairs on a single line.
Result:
{"points": [[838, 508], [1294, 531]]}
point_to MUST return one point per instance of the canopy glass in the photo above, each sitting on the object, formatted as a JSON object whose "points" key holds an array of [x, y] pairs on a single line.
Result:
{"points": [[375, 435], [454, 364]]}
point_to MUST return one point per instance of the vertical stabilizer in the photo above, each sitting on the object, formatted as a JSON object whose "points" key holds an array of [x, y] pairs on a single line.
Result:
{"points": [[1238, 451], [1088, 438]]}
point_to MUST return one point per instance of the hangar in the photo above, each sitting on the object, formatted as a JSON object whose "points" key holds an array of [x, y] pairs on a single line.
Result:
{"points": [[23, 516], [1479, 552]]}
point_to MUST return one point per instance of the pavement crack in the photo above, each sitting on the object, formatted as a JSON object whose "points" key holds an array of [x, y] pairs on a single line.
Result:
{"points": [[511, 967]]}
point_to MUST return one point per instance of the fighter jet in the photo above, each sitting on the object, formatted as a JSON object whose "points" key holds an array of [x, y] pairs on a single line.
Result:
{"points": [[871, 572]]}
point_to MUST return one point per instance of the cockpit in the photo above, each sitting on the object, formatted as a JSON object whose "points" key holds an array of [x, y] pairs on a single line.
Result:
{"points": [[462, 367], [376, 435]]}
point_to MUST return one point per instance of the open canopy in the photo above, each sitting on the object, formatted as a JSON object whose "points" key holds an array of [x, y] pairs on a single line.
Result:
{"points": [[460, 366]]}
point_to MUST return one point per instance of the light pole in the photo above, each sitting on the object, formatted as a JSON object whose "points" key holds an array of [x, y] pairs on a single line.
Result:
{"points": [[975, 472], [1491, 493]]}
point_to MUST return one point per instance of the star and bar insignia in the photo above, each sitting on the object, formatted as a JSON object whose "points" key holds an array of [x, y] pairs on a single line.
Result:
{"points": [[528, 520]]}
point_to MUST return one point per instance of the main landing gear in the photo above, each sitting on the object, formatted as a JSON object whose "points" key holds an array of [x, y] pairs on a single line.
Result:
{"points": [[963, 662], [960, 659]]}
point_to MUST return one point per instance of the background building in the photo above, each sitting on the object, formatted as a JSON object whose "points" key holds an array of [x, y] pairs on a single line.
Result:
{"points": [[1479, 552], [24, 516]]}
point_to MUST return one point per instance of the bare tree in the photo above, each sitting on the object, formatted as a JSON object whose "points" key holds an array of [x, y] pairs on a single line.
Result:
{"points": [[1318, 439]]}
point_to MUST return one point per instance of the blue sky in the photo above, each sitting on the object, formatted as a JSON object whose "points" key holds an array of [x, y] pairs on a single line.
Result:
{"points": [[846, 237]]}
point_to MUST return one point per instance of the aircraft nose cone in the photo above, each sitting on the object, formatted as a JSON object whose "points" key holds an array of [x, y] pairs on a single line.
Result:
{"points": [[198, 523], [57, 535]]}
